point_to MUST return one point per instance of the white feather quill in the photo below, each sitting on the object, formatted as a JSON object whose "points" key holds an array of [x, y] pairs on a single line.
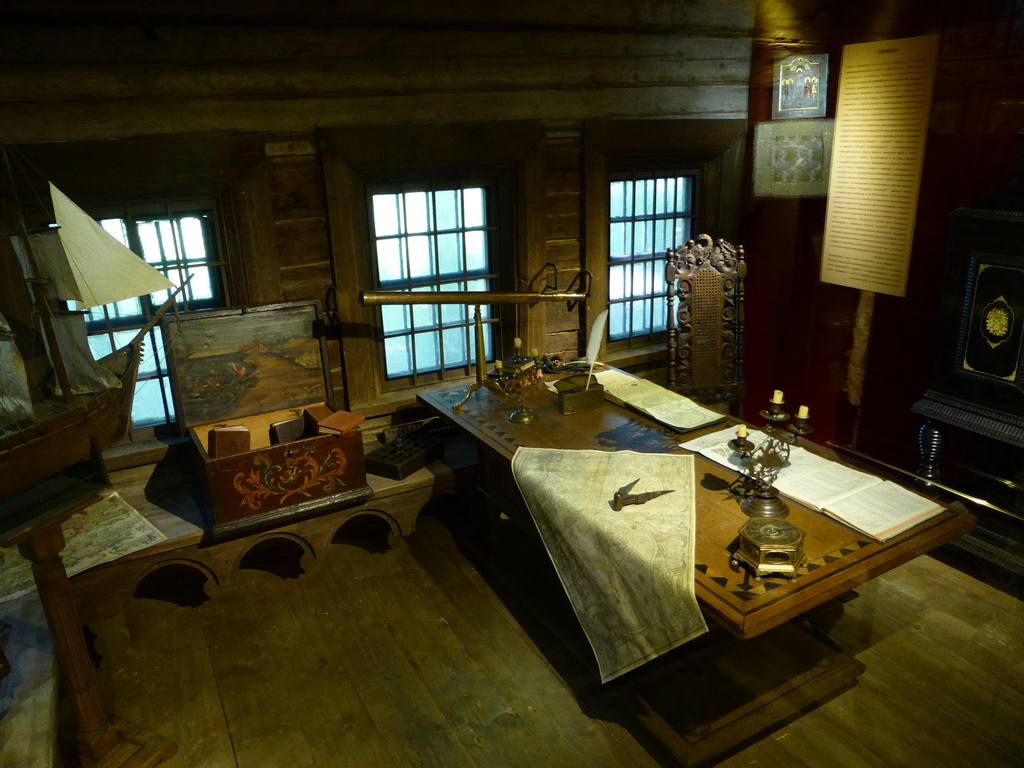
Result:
{"points": [[594, 343]]}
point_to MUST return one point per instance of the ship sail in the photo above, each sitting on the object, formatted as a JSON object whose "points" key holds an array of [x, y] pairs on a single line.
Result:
{"points": [[103, 270], [15, 399], [84, 263], [76, 261]]}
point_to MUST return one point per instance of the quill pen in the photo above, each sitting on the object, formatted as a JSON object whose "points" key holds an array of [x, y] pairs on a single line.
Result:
{"points": [[594, 344]]}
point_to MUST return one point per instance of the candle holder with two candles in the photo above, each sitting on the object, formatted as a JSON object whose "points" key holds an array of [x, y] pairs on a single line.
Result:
{"points": [[765, 460]]}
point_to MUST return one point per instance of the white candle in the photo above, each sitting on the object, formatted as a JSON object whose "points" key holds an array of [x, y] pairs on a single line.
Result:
{"points": [[534, 352], [802, 412], [777, 398], [517, 342], [741, 430]]}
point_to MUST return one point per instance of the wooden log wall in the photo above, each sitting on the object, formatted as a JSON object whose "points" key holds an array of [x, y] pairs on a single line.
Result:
{"points": [[121, 81]]}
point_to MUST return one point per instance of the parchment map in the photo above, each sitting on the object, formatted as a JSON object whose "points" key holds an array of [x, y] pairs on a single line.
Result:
{"points": [[659, 403], [629, 574], [104, 531]]}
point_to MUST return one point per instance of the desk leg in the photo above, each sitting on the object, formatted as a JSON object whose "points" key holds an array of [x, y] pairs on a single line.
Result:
{"points": [[101, 740]]}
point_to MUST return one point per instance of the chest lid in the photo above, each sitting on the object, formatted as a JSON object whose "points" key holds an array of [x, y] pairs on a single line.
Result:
{"points": [[230, 363]]}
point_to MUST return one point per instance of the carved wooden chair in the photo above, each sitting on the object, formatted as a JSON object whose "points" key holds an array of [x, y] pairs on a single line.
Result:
{"points": [[705, 330]]}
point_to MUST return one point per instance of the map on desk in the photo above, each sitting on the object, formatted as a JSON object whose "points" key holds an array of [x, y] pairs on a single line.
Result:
{"points": [[629, 573], [662, 405], [104, 531]]}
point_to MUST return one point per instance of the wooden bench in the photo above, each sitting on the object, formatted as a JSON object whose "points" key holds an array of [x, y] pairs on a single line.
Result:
{"points": [[165, 494]]}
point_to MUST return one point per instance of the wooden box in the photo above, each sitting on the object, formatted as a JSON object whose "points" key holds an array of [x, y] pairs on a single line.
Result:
{"points": [[256, 368]]}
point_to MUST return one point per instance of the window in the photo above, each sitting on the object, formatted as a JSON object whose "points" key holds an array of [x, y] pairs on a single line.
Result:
{"points": [[179, 240], [648, 215], [432, 238], [454, 213]]}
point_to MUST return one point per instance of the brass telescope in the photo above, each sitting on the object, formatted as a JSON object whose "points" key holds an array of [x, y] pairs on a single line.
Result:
{"points": [[375, 298], [475, 298]]}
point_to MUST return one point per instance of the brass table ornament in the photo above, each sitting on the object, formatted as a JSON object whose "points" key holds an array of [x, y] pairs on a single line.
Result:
{"points": [[516, 377], [765, 460], [770, 548]]}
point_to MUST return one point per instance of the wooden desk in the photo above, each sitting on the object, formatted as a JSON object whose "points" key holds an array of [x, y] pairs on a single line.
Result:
{"points": [[839, 558], [706, 697]]}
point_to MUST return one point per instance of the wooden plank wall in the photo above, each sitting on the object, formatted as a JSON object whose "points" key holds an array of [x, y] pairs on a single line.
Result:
{"points": [[88, 75], [112, 74]]}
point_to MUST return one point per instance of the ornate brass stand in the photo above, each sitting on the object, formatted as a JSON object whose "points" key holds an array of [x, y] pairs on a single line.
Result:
{"points": [[769, 545]]}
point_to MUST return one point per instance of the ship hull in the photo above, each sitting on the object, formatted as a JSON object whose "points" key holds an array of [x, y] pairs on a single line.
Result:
{"points": [[73, 435]]}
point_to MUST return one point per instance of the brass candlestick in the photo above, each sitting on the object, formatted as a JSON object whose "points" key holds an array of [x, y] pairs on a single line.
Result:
{"points": [[765, 460], [768, 545]]}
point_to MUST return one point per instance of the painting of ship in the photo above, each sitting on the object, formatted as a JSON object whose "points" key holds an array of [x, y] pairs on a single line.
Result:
{"points": [[79, 406]]}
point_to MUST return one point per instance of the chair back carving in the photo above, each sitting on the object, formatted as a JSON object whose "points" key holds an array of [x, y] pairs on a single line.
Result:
{"points": [[705, 330]]}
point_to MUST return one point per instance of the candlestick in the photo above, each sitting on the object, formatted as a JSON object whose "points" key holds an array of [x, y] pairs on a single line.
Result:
{"points": [[777, 397], [802, 412]]}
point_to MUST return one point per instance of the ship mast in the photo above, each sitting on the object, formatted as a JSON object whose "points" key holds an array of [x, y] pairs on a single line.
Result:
{"points": [[39, 289]]}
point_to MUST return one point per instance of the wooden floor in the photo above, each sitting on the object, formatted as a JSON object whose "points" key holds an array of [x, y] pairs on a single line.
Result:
{"points": [[422, 655]]}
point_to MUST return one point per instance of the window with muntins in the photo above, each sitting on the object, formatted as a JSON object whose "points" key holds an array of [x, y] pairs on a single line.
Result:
{"points": [[648, 214], [429, 238], [181, 241]]}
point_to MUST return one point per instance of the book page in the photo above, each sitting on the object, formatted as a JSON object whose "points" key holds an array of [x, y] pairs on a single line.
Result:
{"points": [[716, 447], [824, 484], [884, 510], [660, 404]]}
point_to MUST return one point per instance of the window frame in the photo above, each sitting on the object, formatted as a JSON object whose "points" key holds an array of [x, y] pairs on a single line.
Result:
{"points": [[715, 148], [508, 153], [492, 274], [640, 171], [129, 212]]}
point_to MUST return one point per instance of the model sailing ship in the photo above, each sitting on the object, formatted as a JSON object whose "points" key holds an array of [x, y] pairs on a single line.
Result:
{"points": [[87, 405]]}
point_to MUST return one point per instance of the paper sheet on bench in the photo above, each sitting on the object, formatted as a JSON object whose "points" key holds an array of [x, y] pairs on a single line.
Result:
{"points": [[628, 574], [102, 532]]}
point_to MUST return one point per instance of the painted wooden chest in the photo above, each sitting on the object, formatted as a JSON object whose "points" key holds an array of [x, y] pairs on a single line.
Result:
{"points": [[243, 381]]}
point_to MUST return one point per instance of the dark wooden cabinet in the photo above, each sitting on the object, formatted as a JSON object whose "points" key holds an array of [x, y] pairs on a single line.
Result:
{"points": [[973, 434]]}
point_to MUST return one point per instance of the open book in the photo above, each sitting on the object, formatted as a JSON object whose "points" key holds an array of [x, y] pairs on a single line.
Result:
{"points": [[878, 508], [662, 405]]}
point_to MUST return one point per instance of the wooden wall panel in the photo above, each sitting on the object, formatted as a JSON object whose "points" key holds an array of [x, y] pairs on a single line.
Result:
{"points": [[731, 16], [164, 75], [360, 75]]}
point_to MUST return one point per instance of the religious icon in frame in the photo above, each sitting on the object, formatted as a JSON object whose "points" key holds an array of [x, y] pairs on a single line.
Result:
{"points": [[800, 86]]}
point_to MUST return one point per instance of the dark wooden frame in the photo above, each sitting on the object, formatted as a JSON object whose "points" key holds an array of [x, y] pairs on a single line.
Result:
{"points": [[716, 148], [511, 152]]}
